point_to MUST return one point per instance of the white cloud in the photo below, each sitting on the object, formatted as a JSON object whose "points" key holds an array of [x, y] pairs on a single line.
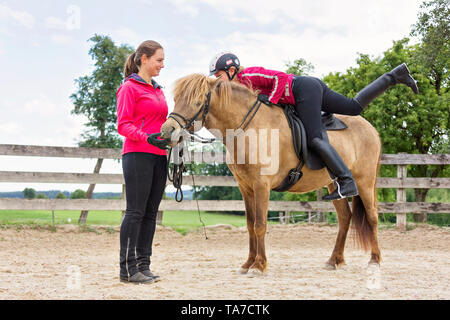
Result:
{"points": [[9, 128], [20, 18], [61, 39], [328, 34], [40, 121], [128, 36], [184, 7], [55, 23]]}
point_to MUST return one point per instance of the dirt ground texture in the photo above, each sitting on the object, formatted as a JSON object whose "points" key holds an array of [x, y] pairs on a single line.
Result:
{"points": [[70, 264]]}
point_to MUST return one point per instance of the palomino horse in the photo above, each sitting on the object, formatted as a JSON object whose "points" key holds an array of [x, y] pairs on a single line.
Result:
{"points": [[223, 105]]}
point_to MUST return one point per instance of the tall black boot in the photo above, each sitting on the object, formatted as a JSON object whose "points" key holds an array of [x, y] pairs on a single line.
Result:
{"points": [[345, 184], [400, 74]]}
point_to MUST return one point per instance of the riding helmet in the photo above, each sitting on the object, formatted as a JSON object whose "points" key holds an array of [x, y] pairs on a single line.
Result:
{"points": [[223, 61]]}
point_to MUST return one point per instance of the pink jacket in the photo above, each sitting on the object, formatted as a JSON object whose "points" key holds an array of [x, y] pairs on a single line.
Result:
{"points": [[276, 84], [141, 109]]}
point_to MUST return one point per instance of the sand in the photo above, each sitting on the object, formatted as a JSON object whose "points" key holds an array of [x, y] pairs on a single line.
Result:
{"points": [[70, 264]]}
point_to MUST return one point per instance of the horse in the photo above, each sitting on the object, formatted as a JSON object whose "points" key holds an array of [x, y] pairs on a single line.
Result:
{"points": [[224, 105]]}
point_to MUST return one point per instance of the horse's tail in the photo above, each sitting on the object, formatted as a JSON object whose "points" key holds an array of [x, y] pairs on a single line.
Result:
{"points": [[363, 229], [361, 226]]}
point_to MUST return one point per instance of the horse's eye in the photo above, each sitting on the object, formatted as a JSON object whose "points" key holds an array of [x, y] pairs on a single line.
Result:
{"points": [[198, 104]]}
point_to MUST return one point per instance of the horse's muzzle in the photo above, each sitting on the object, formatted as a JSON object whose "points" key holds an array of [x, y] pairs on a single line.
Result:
{"points": [[171, 135]]}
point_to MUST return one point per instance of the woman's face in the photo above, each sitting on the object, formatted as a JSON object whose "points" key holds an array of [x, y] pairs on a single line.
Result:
{"points": [[154, 64]]}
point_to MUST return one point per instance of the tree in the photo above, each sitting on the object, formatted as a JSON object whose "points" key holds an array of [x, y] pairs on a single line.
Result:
{"points": [[41, 196], [78, 194], [96, 99], [406, 122], [61, 195], [29, 193], [299, 67], [433, 30]]}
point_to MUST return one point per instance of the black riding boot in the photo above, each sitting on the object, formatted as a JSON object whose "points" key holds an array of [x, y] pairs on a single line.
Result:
{"points": [[345, 184], [400, 74]]}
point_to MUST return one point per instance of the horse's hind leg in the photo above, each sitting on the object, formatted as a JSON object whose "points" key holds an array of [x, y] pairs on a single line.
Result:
{"points": [[368, 198], [344, 216]]}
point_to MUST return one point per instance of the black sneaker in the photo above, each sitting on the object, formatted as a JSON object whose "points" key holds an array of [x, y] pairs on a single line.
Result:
{"points": [[137, 278]]}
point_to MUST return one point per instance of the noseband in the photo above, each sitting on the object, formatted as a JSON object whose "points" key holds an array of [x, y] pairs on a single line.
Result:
{"points": [[189, 122]]}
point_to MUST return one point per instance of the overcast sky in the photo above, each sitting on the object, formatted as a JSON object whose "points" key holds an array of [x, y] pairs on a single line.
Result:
{"points": [[44, 47]]}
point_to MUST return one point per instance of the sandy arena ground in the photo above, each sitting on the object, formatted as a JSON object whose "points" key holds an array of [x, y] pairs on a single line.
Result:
{"points": [[69, 264]]}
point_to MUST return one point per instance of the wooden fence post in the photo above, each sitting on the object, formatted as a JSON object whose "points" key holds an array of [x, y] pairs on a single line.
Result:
{"points": [[287, 217], [159, 217], [281, 217], [401, 198], [320, 215]]}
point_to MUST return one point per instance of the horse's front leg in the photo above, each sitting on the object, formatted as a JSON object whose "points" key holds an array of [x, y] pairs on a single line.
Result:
{"points": [[249, 201], [261, 192]]}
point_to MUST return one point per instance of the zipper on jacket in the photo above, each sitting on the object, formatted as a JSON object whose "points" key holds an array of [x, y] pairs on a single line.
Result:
{"points": [[143, 121]]}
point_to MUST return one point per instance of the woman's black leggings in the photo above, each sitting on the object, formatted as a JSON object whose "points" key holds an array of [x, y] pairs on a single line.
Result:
{"points": [[145, 180], [312, 96]]}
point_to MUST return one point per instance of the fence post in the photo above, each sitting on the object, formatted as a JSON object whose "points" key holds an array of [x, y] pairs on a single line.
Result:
{"points": [[281, 217], [401, 198], [320, 215], [287, 217], [159, 216]]}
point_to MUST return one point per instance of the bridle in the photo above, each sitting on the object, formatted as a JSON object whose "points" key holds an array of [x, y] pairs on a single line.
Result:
{"points": [[205, 110], [189, 122]]}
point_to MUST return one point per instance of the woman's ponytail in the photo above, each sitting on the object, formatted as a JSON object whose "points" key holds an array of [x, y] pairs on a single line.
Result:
{"points": [[130, 66]]}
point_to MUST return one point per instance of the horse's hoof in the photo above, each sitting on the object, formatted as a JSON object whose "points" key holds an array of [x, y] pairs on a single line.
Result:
{"points": [[328, 266], [373, 265], [255, 273], [242, 271]]}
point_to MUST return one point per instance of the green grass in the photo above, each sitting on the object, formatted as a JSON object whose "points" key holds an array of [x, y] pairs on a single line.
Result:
{"points": [[61, 217], [181, 221]]}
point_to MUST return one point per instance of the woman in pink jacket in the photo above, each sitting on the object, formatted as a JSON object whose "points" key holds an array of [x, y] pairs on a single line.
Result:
{"points": [[311, 96], [141, 110]]}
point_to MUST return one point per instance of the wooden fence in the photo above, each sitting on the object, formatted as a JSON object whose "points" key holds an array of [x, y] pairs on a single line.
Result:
{"points": [[401, 183]]}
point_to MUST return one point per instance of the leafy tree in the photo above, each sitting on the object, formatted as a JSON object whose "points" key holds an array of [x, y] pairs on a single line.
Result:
{"points": [[406, 122], [299, 67], [78, 194], [61, 195], [41, 196], [96, 99], [29, 193]]}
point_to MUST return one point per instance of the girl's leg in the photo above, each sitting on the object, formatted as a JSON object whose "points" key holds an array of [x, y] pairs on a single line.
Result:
{"points": [[148, 225], [309, 94], [137, 179]]}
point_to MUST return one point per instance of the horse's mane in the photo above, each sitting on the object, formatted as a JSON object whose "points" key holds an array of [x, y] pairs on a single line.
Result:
{"points": [[192, 89]]}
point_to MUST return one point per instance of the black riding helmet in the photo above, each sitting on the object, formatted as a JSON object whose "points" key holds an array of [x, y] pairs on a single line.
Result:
{"points": [[224, 61]]}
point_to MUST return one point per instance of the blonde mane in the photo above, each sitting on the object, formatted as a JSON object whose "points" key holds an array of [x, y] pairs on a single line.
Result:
{"points": [[192, 90]]}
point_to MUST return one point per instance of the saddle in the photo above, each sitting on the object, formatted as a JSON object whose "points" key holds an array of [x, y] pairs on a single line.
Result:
{"points": [[307, 157]]}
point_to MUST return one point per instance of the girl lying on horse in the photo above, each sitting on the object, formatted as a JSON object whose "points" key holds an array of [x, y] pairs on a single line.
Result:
{"points": [[311, 96]]}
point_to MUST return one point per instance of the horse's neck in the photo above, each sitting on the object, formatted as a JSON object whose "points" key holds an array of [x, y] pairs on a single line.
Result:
{"points": [[227, 120]]}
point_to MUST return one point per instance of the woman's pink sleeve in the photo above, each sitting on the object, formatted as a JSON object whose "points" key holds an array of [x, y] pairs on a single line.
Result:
{"points": [[126, 105]]}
